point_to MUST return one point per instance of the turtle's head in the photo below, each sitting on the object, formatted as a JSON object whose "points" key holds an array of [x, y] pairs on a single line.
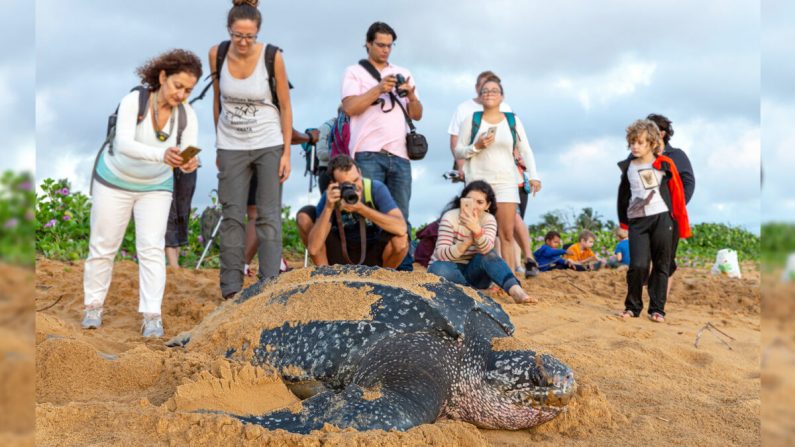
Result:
{"points": [[533, 387]]}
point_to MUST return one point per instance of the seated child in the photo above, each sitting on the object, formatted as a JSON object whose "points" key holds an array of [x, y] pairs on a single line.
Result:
{"points": [[621, 253], [581, 255], [550, 256]]}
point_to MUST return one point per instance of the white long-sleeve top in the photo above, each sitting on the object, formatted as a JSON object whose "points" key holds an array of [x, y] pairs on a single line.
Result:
{"points": [[137, 161], [495, 164]]}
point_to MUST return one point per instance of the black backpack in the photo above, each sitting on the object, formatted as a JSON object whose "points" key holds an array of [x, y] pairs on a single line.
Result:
{"points": [[143, 104], [220, 56]]}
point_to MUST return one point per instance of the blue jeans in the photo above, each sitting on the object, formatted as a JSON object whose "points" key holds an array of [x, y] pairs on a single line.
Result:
{"points": [[478, 273], [395, 173]]}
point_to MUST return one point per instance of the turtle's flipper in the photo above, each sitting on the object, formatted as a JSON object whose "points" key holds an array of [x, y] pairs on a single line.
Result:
{"points": [[354, 407]]}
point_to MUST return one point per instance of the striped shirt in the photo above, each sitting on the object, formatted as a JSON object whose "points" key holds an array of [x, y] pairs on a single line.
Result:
{"points": [[451, 232]]}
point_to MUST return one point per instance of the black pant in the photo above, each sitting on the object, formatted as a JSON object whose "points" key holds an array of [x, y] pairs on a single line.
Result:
{"points": [[179, 215], [650, 239]]}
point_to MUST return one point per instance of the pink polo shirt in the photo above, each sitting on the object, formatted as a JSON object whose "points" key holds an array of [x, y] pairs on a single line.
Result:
{"points": [[375, 130]]}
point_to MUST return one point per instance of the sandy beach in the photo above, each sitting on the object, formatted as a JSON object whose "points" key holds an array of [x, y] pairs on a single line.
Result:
{"points": [[639, 382]]}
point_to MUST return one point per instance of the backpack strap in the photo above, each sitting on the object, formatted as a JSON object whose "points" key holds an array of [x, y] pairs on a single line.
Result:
{"points": [[367, 185], [477, 118], [220, 56], [143, 102], [182, 123], [270, 62], [511, 117]]}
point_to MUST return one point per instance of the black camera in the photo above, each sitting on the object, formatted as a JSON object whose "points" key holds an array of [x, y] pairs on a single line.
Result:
{"points": [[349, 193], [453, 176], [400, 80]]}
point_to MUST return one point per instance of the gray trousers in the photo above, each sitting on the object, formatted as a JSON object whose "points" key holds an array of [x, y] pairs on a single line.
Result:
{"points": [[234, 177]]}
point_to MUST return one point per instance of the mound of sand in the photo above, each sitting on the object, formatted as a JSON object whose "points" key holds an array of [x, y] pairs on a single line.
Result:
{"points": [[640, 383], [17, 357]]}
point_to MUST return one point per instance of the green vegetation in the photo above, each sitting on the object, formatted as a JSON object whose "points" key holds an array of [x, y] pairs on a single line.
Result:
{"points": [[699, 250], [17, 218], [62, 230], [778, 241]]}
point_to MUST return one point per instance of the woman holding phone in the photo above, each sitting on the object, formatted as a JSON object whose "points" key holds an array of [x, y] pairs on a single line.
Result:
{"points": [[489, 157], [464, 252], [135, 176], [253, 133]]}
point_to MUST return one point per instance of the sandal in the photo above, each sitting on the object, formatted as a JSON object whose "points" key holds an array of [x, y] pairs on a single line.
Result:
{"points": [[657, 317], [626, 314]]}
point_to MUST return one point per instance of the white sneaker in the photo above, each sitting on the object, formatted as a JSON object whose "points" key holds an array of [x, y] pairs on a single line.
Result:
{"points": [[92, 318], [152, 327]]}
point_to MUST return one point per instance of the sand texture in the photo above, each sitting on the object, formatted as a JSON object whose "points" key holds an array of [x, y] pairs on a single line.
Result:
{"points": [[640, 383]]}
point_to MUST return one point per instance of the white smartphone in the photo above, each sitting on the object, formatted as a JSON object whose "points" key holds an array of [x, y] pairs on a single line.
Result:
{"points": [[468, 205], [492, 130]]}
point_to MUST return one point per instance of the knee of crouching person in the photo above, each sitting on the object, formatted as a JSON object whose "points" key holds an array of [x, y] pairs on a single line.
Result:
{"points": [[400, 243]]}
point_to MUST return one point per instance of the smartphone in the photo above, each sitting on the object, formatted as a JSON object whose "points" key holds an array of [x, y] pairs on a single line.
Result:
{"points": [[492, 130], [188, 153], [468, 205]]}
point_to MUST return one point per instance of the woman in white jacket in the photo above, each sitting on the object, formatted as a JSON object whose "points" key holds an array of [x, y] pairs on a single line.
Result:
{"points": [[489, 157], [134, 176]]}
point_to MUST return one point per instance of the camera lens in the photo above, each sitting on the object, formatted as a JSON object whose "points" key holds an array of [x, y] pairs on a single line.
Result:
{"points": [[400, 80], [349, 193]]}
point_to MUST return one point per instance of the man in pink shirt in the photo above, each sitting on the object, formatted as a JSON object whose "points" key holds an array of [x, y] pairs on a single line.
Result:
{"points": [[378, 126]]}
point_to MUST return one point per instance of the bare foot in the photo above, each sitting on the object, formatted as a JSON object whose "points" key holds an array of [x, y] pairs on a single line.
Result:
{"points": [[520, 296]]}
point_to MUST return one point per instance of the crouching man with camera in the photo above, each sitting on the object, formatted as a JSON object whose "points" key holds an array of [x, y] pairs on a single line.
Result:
{"points": [[356, 221]]}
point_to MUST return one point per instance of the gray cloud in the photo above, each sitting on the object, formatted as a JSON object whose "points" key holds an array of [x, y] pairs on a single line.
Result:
{"points": [[17, 84], [705, 58]]}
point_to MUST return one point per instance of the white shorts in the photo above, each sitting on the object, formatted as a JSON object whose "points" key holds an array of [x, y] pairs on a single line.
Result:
{"points": [[506, 192]]}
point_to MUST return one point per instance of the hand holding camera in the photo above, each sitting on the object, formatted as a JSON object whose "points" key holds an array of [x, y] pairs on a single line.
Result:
{"points": [[387, 84], [454, 176], [345, 195]]}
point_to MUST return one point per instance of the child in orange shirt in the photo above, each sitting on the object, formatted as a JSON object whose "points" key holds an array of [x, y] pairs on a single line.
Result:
{"points": [[581, 253]]}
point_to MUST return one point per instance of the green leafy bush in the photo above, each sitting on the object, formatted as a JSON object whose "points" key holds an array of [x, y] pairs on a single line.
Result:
{"points": [[17, 228], [778, 241], [62, 228], [697, 251]]}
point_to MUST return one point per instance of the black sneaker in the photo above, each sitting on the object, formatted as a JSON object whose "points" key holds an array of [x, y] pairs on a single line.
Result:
{"points": [[530, 269]]}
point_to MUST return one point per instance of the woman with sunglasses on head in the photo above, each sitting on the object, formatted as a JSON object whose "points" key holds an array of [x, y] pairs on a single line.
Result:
{"points": [[134, 175], [253, 137], [488, 156]]}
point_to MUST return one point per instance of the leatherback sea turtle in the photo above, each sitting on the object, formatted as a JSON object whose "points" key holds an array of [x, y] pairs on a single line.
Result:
{"points": [[376, 349]]}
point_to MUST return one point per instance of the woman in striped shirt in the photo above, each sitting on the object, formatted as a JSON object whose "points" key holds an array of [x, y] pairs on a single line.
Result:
{"points": [[464, 252]]}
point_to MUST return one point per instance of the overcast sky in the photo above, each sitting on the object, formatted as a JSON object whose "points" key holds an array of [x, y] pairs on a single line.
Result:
{"points": [[576, 72]]}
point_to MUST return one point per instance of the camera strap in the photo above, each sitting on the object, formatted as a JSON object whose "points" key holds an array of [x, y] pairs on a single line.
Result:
{"points": [[367, 65], [344, 242]]}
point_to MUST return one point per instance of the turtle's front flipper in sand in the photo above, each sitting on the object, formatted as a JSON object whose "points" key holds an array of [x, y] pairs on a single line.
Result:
{"points": [[403, 381], [354, 407]]}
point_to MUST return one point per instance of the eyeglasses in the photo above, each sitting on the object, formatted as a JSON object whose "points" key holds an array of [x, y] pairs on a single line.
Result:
{"points": [[239, 36], [384, 46], [494, 91]]}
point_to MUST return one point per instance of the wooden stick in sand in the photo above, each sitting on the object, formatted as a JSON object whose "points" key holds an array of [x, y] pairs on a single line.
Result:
{"points": [[710, 327]]}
